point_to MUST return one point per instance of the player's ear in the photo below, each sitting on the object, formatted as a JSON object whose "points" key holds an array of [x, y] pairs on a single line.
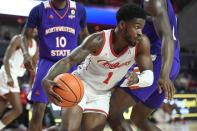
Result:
{"points": [[122, 24]]}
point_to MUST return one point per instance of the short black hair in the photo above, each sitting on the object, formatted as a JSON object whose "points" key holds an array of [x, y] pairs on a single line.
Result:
{"points": [[129, 12]]}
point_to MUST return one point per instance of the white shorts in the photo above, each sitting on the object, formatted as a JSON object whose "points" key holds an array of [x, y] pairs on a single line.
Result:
{"points": [[95, 101], [4, 88]]}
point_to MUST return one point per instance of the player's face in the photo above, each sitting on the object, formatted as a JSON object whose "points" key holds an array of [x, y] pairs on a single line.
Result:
{"points": [[133, 31]]}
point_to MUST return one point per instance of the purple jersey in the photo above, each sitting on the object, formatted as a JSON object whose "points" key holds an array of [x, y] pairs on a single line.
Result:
{"points": [[154, 38], [58, 29]]}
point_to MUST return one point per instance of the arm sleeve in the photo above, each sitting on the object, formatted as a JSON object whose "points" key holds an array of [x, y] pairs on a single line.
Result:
{"points": [[146, 78], [35, 17]]}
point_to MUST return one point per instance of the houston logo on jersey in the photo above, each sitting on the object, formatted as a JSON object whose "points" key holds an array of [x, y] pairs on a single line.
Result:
{"points": [[107, 64]]}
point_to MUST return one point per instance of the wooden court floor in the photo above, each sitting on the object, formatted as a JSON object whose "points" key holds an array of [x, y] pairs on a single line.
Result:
{"points": [[178, 126]]}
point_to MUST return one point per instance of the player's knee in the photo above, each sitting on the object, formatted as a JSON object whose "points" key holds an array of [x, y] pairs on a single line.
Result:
{"points": [[38, 110], [17, 110]]}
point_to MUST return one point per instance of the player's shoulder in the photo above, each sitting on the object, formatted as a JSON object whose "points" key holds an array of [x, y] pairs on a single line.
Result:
{"points": [[38, 7], [145, 42], [42, 5], [155, 7], [79, 6], [94, 41], [17, 37], [145, 37], [98, 36], [16, 40], [45, 4], [94, 38]]}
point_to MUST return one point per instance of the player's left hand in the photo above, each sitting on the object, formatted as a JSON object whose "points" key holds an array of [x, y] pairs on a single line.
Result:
{"points": [[132, 78], [166, 85], [52, 96]]}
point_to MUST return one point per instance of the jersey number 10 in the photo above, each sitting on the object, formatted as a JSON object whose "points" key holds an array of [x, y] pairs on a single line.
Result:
{"points": [[61, 41]]}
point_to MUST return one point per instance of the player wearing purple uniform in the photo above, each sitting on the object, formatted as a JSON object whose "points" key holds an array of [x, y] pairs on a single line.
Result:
{"points": [[162, 32], [59, 23]]}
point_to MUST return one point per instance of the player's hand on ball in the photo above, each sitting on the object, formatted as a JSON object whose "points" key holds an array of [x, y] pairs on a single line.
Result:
{"points": [[132, 78], [10, 82], [52, 96], [166, 85]]}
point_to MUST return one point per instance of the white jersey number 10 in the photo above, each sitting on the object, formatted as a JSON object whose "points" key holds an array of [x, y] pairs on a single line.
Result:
{"points": [[61, 41]]}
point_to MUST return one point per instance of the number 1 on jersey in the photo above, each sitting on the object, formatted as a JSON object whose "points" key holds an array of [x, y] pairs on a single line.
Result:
{"points": [[109, 75]]}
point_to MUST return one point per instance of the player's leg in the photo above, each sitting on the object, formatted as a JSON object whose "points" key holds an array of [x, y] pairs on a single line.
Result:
{"points": [[119, 102], [14, 99], [94, 121], [3, 103], [71, 118], [97, 110], [3, 90], [37, 116], [38, 96], [121, 99], [141, 112]]}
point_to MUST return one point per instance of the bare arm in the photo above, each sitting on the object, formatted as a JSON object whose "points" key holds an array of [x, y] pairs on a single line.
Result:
{"points": [[34, 63], [13, 45], [84, 33], [158, 9], [27, 33], [144, 62], [143, 57]]}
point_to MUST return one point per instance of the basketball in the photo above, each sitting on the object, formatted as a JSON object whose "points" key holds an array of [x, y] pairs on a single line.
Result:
{"points": [[71, 89]]}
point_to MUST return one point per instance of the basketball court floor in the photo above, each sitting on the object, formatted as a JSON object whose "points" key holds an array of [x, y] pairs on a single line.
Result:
{"points": [[178, 126]]}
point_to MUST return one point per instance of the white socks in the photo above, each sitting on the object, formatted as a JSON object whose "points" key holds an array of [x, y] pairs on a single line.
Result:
{"points": [[2, 125]]}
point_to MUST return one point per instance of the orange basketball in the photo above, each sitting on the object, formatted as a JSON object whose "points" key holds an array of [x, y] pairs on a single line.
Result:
{"points": [[71, 89]]}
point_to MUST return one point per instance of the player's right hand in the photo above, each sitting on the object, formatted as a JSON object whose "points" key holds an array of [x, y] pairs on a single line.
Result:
{"points": [[52, 96], [10, 82], [166, 85]]}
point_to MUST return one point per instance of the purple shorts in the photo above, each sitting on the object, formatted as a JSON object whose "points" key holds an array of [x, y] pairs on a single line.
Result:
{"points": [[38, 94], [149, 96]]}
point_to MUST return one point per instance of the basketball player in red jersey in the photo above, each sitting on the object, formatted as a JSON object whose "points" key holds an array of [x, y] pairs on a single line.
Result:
{"points": [[108, 55], [162, 32]]}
